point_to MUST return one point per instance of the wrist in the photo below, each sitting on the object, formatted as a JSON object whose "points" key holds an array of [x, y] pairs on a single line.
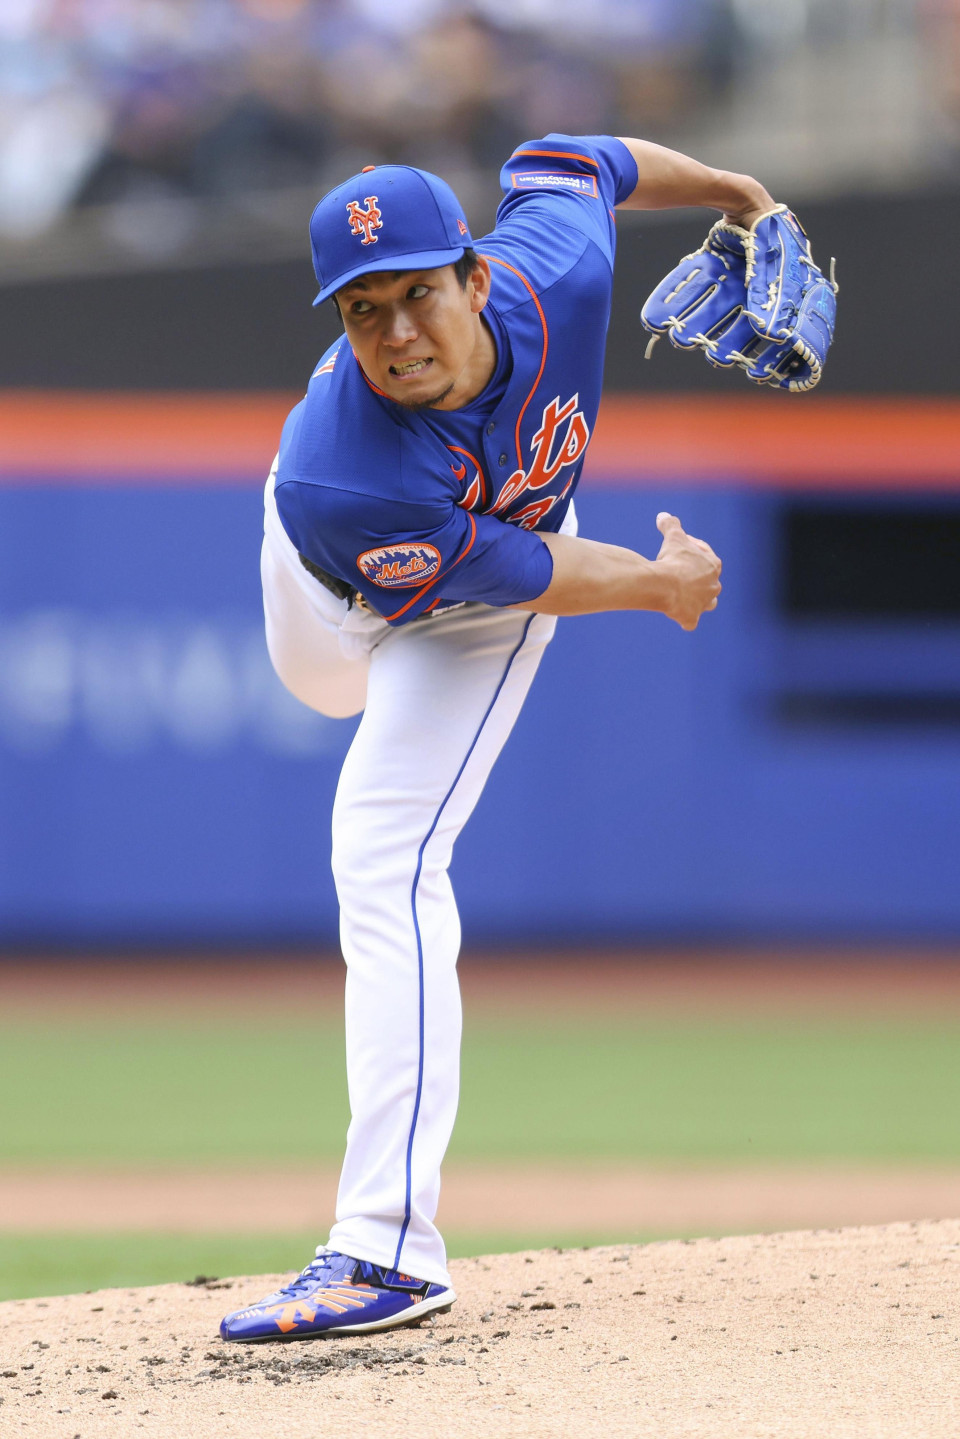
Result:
{"points": [[658, 586], [745, 200]]}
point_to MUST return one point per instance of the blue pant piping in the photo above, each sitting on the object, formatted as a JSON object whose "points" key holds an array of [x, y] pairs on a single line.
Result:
{"points": [[416, 926]]}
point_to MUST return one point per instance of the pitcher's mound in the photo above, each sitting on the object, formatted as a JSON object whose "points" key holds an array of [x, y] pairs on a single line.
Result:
{"points": [[831, 1332]]}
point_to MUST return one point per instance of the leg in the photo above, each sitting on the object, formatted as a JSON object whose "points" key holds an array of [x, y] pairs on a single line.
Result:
{"points": [[443, 695], [303, 627]]}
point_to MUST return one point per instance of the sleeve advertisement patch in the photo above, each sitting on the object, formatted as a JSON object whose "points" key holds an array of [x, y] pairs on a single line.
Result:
{"points": [[556, 180]]}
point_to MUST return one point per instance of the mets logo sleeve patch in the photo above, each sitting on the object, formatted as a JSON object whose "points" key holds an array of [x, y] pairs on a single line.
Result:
{"points": [[391, 566]]}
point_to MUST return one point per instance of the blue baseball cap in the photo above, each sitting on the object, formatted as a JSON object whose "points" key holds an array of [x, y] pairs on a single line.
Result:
{"points": [[389, 217]]}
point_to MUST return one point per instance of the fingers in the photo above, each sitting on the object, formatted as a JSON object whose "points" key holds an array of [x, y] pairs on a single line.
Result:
{"points": [[690, 623], [700, 581], [707, 550], [668, 524], [671, 528]]}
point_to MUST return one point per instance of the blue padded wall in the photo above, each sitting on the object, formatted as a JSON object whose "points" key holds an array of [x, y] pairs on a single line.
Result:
{"points": [[157, 784]]}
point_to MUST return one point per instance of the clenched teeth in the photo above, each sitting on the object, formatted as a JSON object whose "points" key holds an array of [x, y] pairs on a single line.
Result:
{"points": [[412, 367]]}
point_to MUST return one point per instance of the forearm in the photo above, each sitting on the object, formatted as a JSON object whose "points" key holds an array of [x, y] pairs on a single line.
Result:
{"points": [[669, 180], [590, 578]]}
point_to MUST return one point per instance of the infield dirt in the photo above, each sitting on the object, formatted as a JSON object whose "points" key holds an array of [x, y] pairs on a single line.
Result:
{"points": [[543, 1198], [785, 1336], [603, 982]]}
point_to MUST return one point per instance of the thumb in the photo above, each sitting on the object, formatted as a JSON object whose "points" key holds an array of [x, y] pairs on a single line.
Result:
{"points": [[668, 524]]}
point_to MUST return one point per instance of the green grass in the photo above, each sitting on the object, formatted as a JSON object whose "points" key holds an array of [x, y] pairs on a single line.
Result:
{"points": [[670, 1091], [717, 1093], [666, 1091], [32, 1265]]}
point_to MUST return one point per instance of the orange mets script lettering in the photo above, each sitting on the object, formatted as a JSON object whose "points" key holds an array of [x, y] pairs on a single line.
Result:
{"points": [[364, 222], [546, 464], [396, 571]]}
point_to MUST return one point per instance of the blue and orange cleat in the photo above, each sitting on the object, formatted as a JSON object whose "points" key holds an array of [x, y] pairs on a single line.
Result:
{"points": [[335, 1294]]}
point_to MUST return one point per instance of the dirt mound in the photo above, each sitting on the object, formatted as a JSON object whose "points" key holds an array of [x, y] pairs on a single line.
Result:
{"points": [[839, 1332]]}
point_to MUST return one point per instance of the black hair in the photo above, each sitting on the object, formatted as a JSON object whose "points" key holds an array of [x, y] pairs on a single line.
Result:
{"points": [[465, 266], [462, 268]]}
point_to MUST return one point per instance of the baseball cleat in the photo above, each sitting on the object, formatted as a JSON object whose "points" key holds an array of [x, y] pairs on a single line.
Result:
{"points": [[335, 1294]]}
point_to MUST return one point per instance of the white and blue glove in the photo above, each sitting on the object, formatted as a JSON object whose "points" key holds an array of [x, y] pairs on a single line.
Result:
{"points": [[753, 298]]}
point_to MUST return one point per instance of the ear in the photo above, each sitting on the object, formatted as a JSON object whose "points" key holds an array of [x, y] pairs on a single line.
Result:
{"points": [[478, 284]]}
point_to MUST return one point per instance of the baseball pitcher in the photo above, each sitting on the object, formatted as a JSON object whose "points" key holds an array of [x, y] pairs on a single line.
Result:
{"points": [[420, 540]]}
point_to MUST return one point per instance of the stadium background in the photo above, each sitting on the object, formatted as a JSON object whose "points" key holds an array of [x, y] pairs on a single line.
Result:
{"points": [[773, 799]]}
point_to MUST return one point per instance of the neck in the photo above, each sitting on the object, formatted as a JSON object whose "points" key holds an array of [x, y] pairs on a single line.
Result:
{"points": [[476, 373]]}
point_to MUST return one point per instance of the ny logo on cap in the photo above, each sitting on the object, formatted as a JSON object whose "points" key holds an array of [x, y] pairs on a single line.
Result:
{"points": [[364, 222]]}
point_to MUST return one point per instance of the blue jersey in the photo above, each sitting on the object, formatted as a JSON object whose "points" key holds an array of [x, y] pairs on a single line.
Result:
{"points": [[421, 508]]}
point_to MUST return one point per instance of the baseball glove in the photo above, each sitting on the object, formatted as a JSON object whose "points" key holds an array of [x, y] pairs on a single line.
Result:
{"points": [[752, 298]]}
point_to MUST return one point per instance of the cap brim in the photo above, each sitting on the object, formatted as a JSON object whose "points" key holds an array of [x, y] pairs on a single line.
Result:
{"points": [[418, 260]]}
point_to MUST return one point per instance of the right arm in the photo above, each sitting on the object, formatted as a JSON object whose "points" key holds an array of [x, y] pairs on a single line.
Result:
{"points": [[683, 582]]}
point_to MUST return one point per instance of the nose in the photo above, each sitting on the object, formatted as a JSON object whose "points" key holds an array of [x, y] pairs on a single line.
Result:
{"points": [[399, 328]]}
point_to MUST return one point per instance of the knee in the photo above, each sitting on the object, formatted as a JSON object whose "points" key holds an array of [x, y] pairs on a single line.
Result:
{"points": [[352, 864], [309, 685], [372, 863]]}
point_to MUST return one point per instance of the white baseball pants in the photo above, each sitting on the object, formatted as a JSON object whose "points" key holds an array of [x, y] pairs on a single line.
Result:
{"points": [[439, 696]]}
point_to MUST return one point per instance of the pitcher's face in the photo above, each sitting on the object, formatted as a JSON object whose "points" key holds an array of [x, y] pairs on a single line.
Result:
{"points": [[416, 333]]}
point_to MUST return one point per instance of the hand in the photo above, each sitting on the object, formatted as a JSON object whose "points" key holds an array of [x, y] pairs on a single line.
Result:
{"points": [[695, 571], [748, 218], [751, 205]]}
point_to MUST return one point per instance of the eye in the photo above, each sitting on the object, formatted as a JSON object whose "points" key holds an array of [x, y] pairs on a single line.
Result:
{"points": [[417, 292], [361, 307]]}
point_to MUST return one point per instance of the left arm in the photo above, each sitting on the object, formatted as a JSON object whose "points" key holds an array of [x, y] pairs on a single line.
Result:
{"points": [[669, 180]]}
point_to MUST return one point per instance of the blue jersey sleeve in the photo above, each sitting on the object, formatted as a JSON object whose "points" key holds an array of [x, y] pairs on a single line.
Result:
{"points": [[574, 179], [405, 558]]}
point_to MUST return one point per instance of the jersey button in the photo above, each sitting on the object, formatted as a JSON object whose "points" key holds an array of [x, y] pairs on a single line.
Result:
{"points": [[502, 460], [491, 427]]}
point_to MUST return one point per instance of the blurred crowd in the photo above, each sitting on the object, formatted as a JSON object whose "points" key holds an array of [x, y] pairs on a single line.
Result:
{"points": [[104, 99], [109, 100]]}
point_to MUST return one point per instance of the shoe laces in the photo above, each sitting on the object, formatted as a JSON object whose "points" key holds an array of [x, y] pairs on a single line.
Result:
{"points": [[362, 1269], [309, 1274]]}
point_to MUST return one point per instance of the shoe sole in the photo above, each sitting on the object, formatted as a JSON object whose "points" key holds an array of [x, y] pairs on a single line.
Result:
{"points": [[439, 1304]]}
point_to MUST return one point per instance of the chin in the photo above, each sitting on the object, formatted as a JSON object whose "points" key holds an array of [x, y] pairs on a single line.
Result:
{"points": [[422, 402]]}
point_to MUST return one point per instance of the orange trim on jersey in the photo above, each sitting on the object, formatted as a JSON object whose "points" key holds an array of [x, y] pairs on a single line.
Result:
{"points": [[558, 155], [474, 461], [433, 604], [373, 387], [420, 593], [543, 357]]}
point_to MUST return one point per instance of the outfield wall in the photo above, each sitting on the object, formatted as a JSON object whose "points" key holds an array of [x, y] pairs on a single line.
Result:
{"points": [[791, 770], [251, 325]]}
